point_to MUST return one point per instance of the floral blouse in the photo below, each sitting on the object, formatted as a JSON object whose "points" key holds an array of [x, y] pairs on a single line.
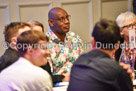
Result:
{"points": [[63, 54], [128, 56]]}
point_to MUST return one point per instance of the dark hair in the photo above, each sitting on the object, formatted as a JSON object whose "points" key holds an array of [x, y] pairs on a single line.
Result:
{"points": [[29, 38], [12, 29], [106, 32]]}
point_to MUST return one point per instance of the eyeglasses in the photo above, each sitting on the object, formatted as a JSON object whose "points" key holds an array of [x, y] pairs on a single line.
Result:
{"points": [[62, 19], [130, 26]]}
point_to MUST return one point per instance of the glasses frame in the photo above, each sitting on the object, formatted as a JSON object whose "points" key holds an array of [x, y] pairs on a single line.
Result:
{"points": [[62, 19], [130, 26]]}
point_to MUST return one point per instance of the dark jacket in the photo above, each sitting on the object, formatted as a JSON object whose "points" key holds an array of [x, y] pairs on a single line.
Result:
{"points": [[96, 71]]}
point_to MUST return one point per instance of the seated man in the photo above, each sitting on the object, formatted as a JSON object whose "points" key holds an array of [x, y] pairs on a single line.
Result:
{"points": [[24, 74], [37, 26], [66, 46], [11, 32], [96, 70]]}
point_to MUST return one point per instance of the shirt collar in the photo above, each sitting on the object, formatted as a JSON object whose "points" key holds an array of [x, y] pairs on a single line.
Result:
{"points": [[54, 37], [24, 60]]}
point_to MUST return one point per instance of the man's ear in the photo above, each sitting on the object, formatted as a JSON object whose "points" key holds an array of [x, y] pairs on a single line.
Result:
{"points": [[93, 43], [13, 39], [29, 49], [50, 22], [13, 42], [117, 47]]}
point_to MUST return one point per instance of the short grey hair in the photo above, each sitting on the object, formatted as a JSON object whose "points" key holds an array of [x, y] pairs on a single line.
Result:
{"points": [[124, 17]]}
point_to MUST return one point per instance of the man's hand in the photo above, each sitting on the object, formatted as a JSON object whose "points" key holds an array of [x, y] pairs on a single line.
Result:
{"points": [[126, 67], [67, 77]]}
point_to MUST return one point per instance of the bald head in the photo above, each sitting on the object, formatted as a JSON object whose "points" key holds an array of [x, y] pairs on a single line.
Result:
{"points": [[59, 21], [54, 11]]}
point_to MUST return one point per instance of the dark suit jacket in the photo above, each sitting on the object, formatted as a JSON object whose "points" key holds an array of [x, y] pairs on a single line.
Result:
{"points": [[9, 57]]}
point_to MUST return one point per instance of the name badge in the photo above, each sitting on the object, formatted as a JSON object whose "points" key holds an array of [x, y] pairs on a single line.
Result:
{"points": [[132, 38]]}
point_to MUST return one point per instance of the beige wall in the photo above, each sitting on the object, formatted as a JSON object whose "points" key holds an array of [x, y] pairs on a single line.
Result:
{"points": [[113, 9], [84, 13]]}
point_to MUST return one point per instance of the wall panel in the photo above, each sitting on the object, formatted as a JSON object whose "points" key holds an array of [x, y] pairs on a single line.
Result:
{"points": [[37, 12], [80, 19], [112, 9], [4, 19]]}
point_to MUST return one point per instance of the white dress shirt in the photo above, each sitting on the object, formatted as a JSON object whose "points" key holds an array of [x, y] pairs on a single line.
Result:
{"points": [[24, 76]]}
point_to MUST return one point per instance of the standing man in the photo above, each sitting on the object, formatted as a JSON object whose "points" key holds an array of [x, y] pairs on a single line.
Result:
{"points": [[24, 74], [12, 31], [65, 45], [96, 70]]}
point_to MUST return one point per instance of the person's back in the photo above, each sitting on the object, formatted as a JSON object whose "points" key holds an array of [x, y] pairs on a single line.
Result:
{"points": [[96, 70]]}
